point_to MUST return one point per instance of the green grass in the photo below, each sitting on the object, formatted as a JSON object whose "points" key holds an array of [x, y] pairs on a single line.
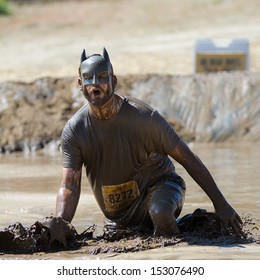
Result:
{"points": [[4, 8]]}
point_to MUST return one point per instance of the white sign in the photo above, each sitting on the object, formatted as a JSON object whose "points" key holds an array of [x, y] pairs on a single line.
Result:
{"points": [[212, 57]]}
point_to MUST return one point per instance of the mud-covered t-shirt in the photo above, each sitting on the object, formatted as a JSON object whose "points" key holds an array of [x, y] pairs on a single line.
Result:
{"points": [[131, 147]]}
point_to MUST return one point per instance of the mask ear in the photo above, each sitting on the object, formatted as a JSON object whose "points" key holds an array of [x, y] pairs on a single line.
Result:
{"points": [[83, 56], [109, 68], [106, 56]]}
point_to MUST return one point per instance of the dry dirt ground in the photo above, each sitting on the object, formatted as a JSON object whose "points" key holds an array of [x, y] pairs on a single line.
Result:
{"points": [[147, 36]]}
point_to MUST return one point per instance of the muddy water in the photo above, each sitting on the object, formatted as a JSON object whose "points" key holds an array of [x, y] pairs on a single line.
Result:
{"points": [[29, 183]]}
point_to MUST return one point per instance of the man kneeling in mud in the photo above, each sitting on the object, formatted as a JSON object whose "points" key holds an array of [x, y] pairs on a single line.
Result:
{"points": [[124, 145]]}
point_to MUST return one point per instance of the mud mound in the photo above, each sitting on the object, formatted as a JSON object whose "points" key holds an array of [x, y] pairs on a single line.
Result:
{"points": [[55, 234], [50, 234]]}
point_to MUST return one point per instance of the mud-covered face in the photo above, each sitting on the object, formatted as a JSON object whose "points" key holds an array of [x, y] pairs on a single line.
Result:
{"points": [[97, 94]]}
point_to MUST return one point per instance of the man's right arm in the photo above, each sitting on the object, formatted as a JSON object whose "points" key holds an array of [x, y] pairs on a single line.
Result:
{"points": [[69, 193]]}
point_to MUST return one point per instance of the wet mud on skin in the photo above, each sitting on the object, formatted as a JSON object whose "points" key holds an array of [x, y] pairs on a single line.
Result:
{"points": [[54, 234]]}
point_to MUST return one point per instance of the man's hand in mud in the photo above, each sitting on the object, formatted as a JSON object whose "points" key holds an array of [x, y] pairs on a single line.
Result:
{"points": [[229, 218], [60, 231]]}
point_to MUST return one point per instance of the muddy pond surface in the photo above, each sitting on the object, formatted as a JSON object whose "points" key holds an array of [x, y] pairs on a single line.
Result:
{"points": [[29, 183]]}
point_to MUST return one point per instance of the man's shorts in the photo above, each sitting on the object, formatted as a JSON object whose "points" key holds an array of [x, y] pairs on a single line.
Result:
{"points": [[170, 189]]}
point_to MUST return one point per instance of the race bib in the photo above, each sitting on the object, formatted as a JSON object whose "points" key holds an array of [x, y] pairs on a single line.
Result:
{"points": [[119, 197]]}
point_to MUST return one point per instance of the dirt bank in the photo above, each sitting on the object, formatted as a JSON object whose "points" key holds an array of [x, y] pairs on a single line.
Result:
{"points": [[32, 115]]}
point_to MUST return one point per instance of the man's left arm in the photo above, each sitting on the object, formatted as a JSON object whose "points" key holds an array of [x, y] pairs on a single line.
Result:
{"points": [[201, 175]]}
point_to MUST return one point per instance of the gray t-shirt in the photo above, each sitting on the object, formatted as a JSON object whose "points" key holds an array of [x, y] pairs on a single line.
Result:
{"points": [[132, 146]]}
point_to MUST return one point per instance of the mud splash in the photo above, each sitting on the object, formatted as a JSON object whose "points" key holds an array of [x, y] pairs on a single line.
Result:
{"points": [[54, 234]]}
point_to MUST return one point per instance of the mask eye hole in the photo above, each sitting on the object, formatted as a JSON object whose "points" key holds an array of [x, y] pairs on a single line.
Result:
{"points": [[103, 75], [87, 76]]}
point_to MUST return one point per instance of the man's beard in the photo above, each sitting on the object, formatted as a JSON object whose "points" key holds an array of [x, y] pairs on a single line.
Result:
{"points": [[99, 101]]}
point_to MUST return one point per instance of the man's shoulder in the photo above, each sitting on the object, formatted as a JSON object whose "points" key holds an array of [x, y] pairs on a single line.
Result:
{"points": [[79, 117], [139, 104]]}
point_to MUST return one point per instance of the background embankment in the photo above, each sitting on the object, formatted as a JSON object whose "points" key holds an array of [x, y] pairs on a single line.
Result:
{"points": [[206, 108]]}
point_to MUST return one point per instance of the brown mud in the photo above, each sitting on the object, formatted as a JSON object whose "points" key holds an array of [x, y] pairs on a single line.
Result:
{"points": [[54, 234]]}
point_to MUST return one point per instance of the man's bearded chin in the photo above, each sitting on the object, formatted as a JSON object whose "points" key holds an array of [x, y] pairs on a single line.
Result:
{"points": [[98, 102]]}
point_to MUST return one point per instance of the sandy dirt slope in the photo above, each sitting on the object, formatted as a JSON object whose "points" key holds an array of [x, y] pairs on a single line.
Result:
{"points": [[147, 36]]}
